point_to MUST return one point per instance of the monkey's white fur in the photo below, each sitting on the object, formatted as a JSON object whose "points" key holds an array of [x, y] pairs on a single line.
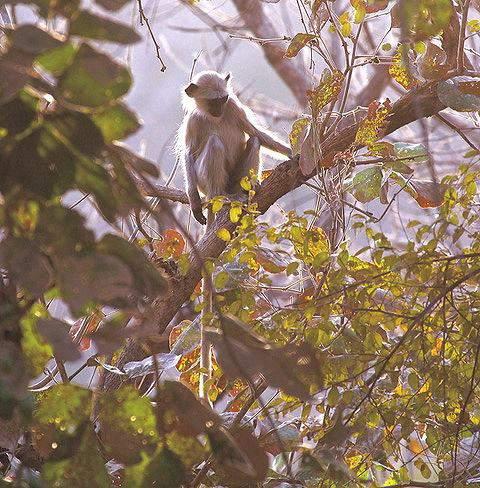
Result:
{"points": [[219, 139]]}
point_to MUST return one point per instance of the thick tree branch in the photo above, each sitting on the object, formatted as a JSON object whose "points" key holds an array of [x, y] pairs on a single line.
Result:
{"points": [[161, 191], [417, 104]]}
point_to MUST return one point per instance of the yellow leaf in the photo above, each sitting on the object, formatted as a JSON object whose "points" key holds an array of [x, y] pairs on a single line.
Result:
{"points": [[372, 126], [327, 91], [224, 234], [245, 183], [345, 25], [474, 25], [217, 204], [360, 10], [235, 213], [400, 70], [297, 132], [298, 42]]}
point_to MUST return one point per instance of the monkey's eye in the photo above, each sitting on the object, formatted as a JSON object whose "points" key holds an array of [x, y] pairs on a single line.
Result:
{"points": [[223, 99]]}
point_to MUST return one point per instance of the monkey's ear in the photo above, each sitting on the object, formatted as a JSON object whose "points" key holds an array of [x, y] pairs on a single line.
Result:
{"points": [[191, 89], [227, 76]]}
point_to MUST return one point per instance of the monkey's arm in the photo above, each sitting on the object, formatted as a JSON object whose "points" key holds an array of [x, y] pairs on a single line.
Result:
{"points": [[192, 189], [266, 138]]}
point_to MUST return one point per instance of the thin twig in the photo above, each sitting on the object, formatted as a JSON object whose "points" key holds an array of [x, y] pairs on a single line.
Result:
{"points": [[61, 370], [192, 71], [458, 131], [461, 38], [144, 19], [260, 40]]}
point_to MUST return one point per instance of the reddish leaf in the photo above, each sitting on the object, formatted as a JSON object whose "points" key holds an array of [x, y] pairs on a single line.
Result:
{"points": [[172, 244], [428, 193]]}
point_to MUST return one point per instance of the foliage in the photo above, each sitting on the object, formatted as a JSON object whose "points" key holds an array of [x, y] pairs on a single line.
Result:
{"points": [[336, 364]]}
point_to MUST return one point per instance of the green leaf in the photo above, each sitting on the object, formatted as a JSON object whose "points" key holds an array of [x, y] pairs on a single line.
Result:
{"points": [[93, 79], [15, 66], [224, 234], [65, 407], [401, 68], [94, 278], [76, 131], [86, 463], [62, 231], [221, 279], [47, 161], [473, 25], [116, 122], [92, 26], [56, 333], [366, 184], [371, 128], [238, 457], [35, 350], [47, 7], [128, 424], [411, 153], [360, 10], [461, 93], [27, 266], [148, 280], [38, 164], [424, 19], [165, 470], [16, 115], [292, 268], [242, 354], [297, 43], [57, 60], [345, 24], [92, 178], [33, 40]]}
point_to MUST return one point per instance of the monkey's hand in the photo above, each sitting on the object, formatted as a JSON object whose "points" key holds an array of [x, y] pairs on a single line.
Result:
{"points": [[198, 214]]}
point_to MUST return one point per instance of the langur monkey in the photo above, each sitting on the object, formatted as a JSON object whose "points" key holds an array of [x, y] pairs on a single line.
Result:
{"points": [[219, 140]]}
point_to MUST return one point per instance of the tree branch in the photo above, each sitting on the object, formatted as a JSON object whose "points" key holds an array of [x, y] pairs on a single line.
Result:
{"points": [[161, 191], [257, 22]]}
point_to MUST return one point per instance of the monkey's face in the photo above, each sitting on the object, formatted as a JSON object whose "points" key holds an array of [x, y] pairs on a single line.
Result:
{"points": [[215, 106], [210, 92]]}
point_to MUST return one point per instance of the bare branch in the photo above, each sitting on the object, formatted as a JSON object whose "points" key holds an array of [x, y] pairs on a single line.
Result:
{"points": [[461, 39], [257, 22], [144, 19], [161, 191]]}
